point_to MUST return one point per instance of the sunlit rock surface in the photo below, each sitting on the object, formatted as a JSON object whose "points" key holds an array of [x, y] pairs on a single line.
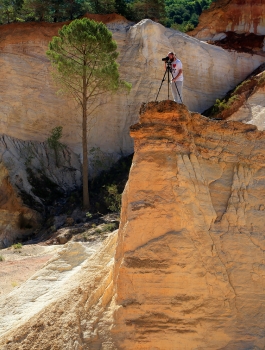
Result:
{"points": [[189, 264], [241, 17], [30, 107], [190, 253]]}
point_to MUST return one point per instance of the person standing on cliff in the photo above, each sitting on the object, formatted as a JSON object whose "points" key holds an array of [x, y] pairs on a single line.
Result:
{"points": [[177, 77]]}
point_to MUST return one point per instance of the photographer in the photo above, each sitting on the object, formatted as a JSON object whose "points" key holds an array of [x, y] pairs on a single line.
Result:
{"points": [[177, 76]]}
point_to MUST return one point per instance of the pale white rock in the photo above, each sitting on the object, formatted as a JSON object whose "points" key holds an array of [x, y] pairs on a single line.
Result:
{"points": [[30, 108], [45, 286], [219, 36], [74, 287], [253, 110]]}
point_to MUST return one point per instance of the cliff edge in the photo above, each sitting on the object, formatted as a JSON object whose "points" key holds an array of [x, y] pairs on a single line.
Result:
{"points": [[188, 271]]}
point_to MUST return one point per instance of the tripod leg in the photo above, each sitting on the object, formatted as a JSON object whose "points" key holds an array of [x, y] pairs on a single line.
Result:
{"points": [[176, 88], [168, 81], [163, 79]]}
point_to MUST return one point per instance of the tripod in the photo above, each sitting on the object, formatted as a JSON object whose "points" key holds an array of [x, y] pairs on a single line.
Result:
{"points": [[168, 70]]}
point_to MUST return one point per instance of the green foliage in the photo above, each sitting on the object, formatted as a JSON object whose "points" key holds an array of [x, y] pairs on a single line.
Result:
{"points": [[55, 144], [183, 15], [84, 60], [221, 105], [153, 9], [10, 10], [107, 188], [113, 198], [2, 258], [103, 6], [109, 227], [89, 215], [17, 246], [178, 14]]}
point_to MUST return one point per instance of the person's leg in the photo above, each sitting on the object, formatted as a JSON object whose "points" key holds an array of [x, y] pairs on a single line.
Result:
{"points": [[179, 91], [174, 92]]}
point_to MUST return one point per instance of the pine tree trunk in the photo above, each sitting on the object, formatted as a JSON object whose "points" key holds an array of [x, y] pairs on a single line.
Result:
{"points": [[86, 204]]}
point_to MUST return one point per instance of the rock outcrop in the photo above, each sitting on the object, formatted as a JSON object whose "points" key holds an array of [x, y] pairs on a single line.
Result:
{"points": [[30, 107], [190, 254], [189, 263], [246, 103], [31, 177], [242, 23]]}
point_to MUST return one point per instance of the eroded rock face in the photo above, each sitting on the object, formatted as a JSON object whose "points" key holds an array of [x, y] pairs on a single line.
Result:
{"points": [[189, 264], [253, 110], [246, 103], [233, 16], [31, 177], [30, 107], [189, 260]]}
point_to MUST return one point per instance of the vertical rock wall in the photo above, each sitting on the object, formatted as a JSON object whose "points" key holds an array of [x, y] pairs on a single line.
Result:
{"points": [[190, 256]]}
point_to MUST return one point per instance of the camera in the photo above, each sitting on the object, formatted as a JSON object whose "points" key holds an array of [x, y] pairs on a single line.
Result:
{"points": [[165, 59]]}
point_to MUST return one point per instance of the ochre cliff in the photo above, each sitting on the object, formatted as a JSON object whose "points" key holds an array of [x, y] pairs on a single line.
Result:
{"points": [[241, 21], [189, 263], [30, 107]]}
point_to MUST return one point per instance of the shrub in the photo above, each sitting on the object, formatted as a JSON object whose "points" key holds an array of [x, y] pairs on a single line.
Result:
{"points": [[109, 227], [55, 144], [113, 198], [17, 246], [2, 258]]}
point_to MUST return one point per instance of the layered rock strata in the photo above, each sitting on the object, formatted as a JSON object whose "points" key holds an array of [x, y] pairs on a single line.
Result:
{"points": [[238, 16], [190, 254], [30, 107], [31, 177], [189, 263]]}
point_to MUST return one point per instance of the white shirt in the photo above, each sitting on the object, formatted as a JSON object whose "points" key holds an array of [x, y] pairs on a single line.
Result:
{"points": [[176, 66]]}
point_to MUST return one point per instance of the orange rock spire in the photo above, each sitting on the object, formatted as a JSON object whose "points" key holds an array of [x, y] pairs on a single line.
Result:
{"points": [[190, 233]]}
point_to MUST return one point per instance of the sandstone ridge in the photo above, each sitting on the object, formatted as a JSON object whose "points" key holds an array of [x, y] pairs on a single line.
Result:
{"points": [[189, 265]]}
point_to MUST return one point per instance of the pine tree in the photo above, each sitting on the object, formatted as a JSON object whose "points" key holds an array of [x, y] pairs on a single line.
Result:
{"points": [[153, 9], [37, 10], [10, 10], [84, 61], [102, 6]]}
